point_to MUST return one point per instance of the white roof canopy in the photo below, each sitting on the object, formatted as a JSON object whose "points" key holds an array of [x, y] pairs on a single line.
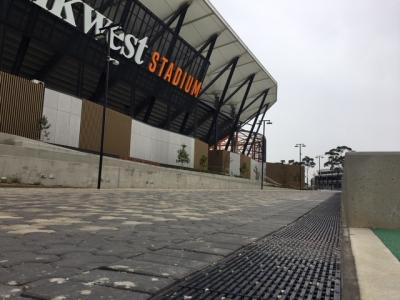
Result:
{"points": [[201, 22]]}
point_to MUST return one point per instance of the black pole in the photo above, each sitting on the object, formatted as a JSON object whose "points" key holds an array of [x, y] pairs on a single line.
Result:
{"points": [[300, 166], [105, 102], [263, 155], [319, 169]]}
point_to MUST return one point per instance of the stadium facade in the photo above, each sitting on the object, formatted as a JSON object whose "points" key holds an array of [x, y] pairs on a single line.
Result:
{"points": [[183, 77]]}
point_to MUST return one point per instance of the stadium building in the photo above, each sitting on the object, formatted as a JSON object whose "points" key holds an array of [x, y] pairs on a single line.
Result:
{"points": [[179, 75]]}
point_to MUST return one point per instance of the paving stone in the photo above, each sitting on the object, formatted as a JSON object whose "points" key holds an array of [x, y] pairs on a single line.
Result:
{"points": [[8, 259], [150, 268], [209, 258], [78, 290], [206, 247], [123, 253], [29, 272], [59, 249], [122, 249], [153, 227], [123, 280], [85, 260], [229, 239], [7, 291], [170, 260]]}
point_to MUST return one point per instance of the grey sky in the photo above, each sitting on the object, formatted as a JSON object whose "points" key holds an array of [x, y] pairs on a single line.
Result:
{"points": [[337, 64]]}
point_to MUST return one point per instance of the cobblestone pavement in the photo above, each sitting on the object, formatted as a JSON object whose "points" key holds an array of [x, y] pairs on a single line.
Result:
{"points": [[128, 244]]}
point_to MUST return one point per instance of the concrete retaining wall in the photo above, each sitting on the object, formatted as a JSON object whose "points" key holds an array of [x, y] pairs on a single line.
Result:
{"points": [[32, 162], [371, 189]]}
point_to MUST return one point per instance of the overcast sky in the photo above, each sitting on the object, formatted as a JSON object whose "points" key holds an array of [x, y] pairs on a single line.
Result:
{"points": [[337, 64]]}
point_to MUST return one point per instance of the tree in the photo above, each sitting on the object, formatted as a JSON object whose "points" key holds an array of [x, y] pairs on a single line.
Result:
{"points": [[256, 172], [292, 162], [44, 125], [203, 162], [336, 158], [183, 156], [308, 162]]}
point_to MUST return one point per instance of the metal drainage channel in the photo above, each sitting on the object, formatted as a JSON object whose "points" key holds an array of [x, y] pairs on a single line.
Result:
{"points": [[300, 261]]}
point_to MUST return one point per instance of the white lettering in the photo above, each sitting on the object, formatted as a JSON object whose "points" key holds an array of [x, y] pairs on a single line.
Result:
{"points": [[65, 6], [125, 44], [97, 21], [129, 50], [41, 3], [140, 50], [113, 37]]}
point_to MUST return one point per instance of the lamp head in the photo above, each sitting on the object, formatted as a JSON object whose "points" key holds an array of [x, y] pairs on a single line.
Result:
{"points": [[114, 61], [119, 30], [99, 37]]}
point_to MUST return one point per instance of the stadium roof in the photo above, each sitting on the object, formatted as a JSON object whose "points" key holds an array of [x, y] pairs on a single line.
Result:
{"points": [[37, 45], [202, 21]]}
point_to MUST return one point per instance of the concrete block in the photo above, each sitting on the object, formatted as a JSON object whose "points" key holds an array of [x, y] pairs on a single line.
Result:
{"points": [[158, 145], [371, 189], [234, 164], [63, 113], [255, 170]]}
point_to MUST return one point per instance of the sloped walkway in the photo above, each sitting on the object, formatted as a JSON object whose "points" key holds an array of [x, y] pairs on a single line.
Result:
{"points": [[133, 244]]}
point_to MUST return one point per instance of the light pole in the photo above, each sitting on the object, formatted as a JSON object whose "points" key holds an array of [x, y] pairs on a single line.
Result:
{"points": [[319, 166], [105, 33], [300, 146], [264, 151]]}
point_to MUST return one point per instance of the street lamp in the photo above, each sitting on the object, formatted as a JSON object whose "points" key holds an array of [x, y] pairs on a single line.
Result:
{"points": [[300, 146], [319, 167], [264, 150], [106, 34]]}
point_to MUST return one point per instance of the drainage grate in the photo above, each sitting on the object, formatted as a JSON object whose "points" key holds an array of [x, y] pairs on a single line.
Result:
{"points": [[300, 261]]}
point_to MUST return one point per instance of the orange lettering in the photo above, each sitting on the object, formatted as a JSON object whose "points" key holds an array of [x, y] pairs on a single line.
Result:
{"points": [[189, 83], [168, 74], [183, 81], [155, 56], [196, 88], [164, 62], [177, 76]]}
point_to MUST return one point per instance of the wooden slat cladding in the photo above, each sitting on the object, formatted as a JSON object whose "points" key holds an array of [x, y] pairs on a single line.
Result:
{"points": [[245, 166], [117, 133], [200, 149], [219, 161], [21, 106]]}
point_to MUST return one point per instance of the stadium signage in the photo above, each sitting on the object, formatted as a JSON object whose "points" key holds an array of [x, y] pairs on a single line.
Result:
{"points": [[125, 44]]}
